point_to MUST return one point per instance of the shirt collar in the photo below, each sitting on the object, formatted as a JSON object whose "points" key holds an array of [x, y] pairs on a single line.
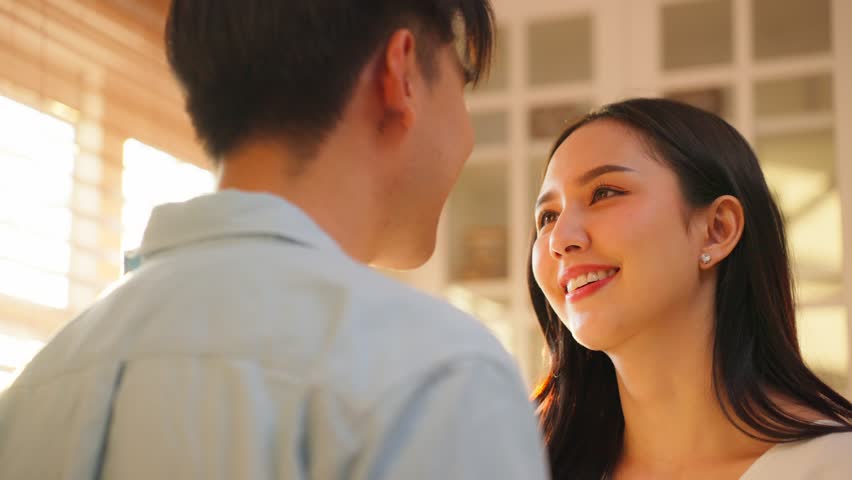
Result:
{"points": [[230, 213]]}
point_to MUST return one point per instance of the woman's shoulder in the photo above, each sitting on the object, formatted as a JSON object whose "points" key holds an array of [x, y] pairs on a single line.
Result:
{"points": [[828, 457]]}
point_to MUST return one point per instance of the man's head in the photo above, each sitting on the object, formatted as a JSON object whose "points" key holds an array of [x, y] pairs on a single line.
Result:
{"points": [[302, 73], [255, 67]]}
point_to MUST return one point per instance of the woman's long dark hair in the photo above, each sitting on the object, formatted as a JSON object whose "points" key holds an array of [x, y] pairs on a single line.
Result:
{"points": [[756, 353]]}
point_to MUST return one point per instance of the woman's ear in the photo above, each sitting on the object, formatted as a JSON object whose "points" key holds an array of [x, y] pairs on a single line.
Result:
{"points": [[724, 228]]}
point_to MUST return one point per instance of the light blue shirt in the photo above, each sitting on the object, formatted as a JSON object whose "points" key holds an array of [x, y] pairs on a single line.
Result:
{"points": [[248, 346]]}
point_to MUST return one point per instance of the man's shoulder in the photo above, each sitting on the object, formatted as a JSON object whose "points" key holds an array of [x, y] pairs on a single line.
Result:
{"points": [[417, 320], [341, 316], [399, 335]]}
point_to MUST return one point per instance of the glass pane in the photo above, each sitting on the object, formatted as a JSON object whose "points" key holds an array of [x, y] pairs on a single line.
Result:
{"points": [[697, 33], [477, 223], [811, 94], [150, 178], [51, 222], [490, 128], [15, 353], [717, 100], [560, 51], [823, 341], [23, 183], [547, 122], [42, 252], [36, 167], [498, 74], [55, 162], [799, 168], [791, 27], [35, 134], [33, 285]]}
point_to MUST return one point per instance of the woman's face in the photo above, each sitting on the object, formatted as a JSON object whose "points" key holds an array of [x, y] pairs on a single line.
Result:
{"points": [[614, 254]]}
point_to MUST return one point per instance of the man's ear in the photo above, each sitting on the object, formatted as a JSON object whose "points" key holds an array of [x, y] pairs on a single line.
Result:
{"points": [[397, 67], [724, 227]]}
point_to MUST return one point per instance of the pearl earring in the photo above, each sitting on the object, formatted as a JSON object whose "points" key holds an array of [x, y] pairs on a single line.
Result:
{"points": [[705, 258]]}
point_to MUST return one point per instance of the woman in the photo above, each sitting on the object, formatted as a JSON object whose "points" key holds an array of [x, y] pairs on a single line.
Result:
{"points": [[660, 276]]}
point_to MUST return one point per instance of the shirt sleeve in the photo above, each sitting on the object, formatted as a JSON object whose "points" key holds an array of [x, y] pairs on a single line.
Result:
{"points": [[469, 420]]}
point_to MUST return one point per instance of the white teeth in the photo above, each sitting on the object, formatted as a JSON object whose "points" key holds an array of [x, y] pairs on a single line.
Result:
{"points": [[586, 279]]}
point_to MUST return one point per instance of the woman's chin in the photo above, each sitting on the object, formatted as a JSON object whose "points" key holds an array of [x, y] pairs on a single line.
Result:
{"points": [[593, 333]]}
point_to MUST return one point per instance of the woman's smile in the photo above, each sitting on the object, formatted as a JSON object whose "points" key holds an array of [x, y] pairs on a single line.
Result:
{"points": [[582, 281]]}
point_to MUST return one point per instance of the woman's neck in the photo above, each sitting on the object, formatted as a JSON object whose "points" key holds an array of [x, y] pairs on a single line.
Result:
{"points": [[673, 419]]}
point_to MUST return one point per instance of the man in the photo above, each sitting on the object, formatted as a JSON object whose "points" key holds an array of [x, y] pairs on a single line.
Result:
{"points": [[253, 341]]}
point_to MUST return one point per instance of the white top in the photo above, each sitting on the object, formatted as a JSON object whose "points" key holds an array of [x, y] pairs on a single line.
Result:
{"points": [[823, 458], [249, 346]]}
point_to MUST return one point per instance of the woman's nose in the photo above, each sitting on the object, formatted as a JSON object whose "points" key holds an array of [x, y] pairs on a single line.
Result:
{"points": [[568, 235]]}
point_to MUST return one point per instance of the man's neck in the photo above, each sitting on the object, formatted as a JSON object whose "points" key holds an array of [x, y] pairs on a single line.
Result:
{"points": [[338, 197]]}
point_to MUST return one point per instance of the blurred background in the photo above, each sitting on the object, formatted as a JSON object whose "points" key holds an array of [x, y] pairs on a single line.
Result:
{"points": [[93, 135]]}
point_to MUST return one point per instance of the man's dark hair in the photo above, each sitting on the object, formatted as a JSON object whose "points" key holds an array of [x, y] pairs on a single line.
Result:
{"points": [[257, 67]]}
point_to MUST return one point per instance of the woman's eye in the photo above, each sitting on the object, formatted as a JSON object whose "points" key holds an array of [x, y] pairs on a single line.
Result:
{"points": [[546, 218], [602, 193]]}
